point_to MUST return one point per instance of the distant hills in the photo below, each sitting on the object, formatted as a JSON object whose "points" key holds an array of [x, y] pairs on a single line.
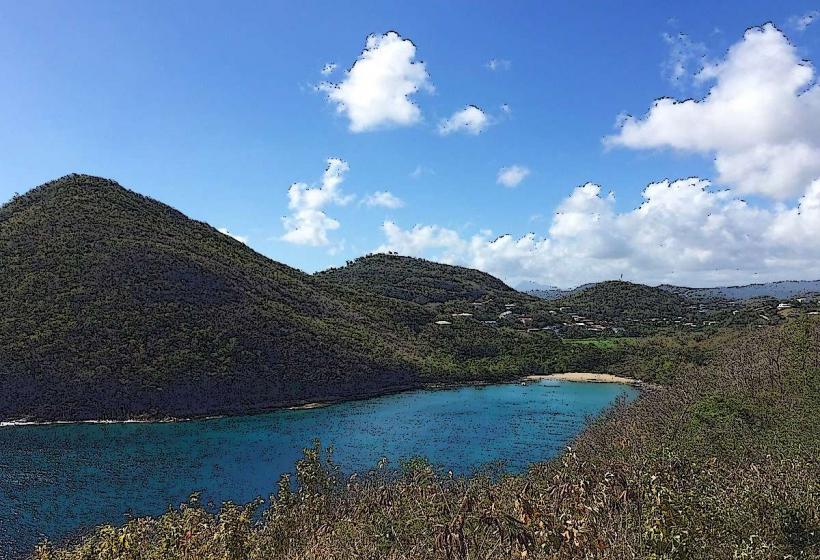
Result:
{"points": [[785, 289], [778, 290]]}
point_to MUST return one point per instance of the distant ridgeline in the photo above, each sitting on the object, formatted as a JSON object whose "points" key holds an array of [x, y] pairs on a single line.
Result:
{"points": [[113, 305], [783, 290]]}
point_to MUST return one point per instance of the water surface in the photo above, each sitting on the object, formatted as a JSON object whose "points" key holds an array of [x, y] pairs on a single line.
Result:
{"points": [[58, 480]]}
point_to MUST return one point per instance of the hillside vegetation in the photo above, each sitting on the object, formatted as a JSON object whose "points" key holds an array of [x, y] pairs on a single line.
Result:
{"points": [[419, 280], [113, 305], [721, 463], [625, 300]]}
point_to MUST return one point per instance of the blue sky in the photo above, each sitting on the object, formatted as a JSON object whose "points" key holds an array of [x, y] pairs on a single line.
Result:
{"points": [[216, 111]]}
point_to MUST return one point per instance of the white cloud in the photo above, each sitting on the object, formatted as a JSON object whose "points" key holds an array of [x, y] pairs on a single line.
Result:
{"points": [[498, 64], [240, 238], [795, 228], [308, 224], [328, 69], [384, 199], [512, 176], [376, 91], [684, 232], [802, 22], [506, 109], [420, 239], [760, 120], [684, 61], [471, 120]]}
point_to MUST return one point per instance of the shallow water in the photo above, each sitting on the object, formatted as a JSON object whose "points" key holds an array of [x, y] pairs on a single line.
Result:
{"points": [[58, 480]]}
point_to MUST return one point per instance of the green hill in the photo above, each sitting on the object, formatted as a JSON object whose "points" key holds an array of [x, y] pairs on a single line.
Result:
{"points": [[114, 305], [625, 300], [450, 291], [419, 280]]}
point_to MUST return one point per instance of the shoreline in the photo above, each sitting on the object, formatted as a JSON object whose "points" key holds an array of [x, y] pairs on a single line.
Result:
{"points": [[586, 377], [580, 377], [292, 405], [163, 420], [309, 406]]}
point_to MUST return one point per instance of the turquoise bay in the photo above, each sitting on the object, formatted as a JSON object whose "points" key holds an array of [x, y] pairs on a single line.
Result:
{"points": [[58, 480]]}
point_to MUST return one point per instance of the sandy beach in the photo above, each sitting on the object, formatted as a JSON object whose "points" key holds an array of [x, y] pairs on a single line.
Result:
{"points": [[585, 377]]}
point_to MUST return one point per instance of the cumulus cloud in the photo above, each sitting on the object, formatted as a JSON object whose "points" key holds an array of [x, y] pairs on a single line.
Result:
{"points": [[684, 232], [760, 119], [794, 228], [384, 199], [418, 240], [376, 91], [471, 120], [240, 238], [328, 69], [512, 176], [308, 224]]}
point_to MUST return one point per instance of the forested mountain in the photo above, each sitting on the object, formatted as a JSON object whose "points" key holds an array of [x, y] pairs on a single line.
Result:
{"points": [[624, 300], [114, 305], [419, 280]]}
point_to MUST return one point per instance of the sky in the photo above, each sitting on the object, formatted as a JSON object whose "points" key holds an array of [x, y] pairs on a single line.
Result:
{"points": [[545, 143]]}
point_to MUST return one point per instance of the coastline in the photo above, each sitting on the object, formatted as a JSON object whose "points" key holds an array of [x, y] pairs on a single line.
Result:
{"points": [[292, 405], [580, 377], [309, 406], [586, 377], [162, 420]]}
